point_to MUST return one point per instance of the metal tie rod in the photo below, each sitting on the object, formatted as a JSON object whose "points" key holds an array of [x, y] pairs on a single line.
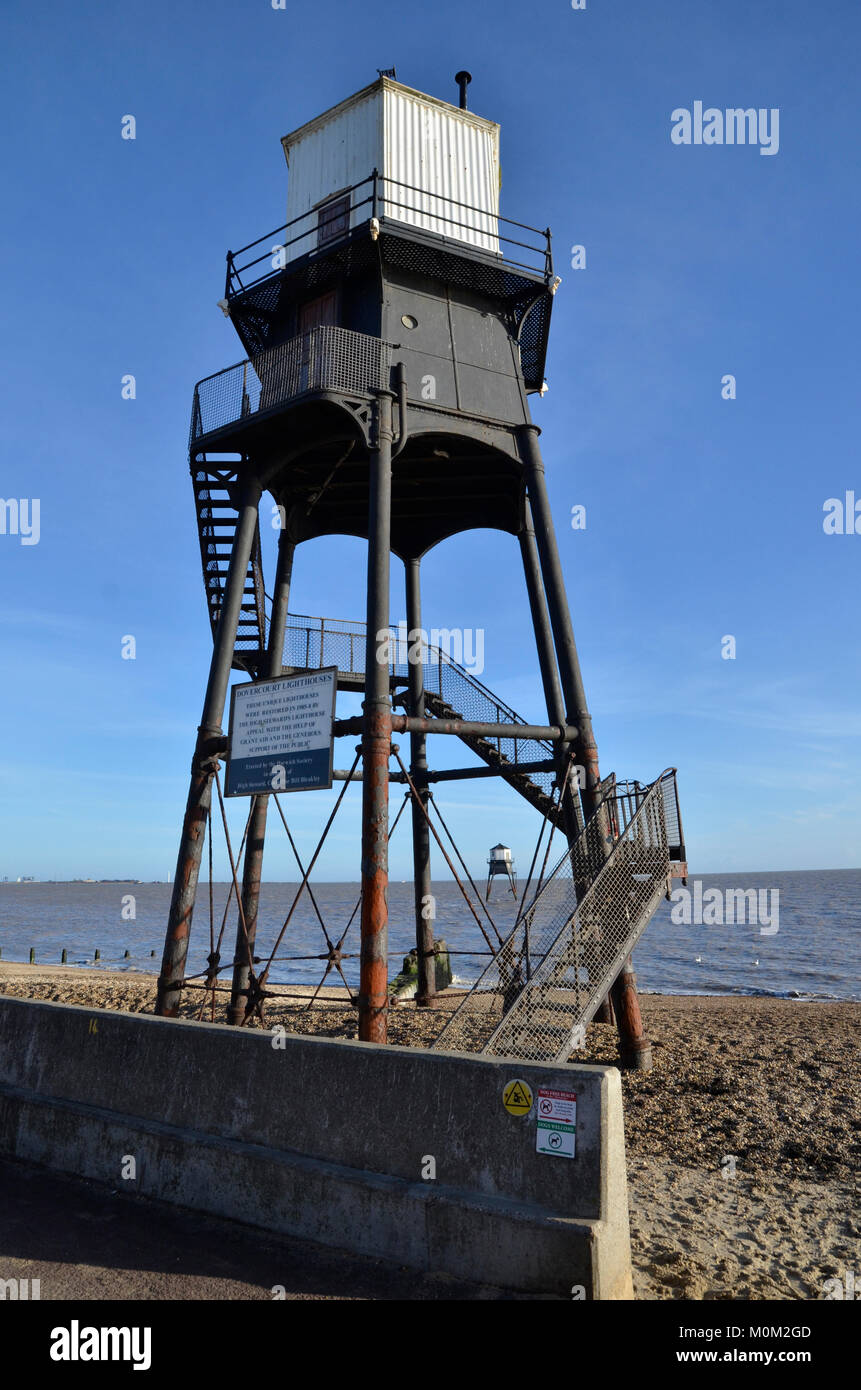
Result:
{"points": [[460, 728], [458, 774]]}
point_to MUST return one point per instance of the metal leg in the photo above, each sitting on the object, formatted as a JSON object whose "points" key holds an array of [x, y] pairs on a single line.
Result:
{"points": [[426, 988], [376, 741], [632, 1038], [560, 617], [253, 865], [547, 662], [540, 619], [605, 1013], [634, 1046], [203, 764]]}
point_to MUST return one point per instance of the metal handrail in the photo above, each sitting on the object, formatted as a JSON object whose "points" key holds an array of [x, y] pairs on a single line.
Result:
{"points": [[294, 220], [581, 924], [493, 709], [358, 629], [467, 207], [282, 246], [234, 283], [569, 937]]}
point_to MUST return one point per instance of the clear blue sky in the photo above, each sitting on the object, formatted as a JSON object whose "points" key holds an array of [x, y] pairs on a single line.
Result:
{"points": [[704, 516]]}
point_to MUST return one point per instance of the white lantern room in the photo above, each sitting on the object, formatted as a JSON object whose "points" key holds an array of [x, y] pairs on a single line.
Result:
{"points": [[437, 170]]}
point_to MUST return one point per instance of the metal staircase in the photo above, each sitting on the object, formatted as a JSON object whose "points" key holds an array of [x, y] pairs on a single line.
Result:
{"points": [[549, 977], [491, 753], [217, 515], [451, 692]]}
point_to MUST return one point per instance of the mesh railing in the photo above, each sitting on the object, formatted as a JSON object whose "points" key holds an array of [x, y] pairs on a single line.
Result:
{"points": [[323, 359], [450, 689], [550, 975], [673, 817]]}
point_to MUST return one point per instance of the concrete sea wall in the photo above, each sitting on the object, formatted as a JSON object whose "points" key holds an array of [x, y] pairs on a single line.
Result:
{"points": [[395, 1152]]}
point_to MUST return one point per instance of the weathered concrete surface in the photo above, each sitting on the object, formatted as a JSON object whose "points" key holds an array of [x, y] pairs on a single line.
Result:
{"points": [[327, 1141], [83, 1240]]}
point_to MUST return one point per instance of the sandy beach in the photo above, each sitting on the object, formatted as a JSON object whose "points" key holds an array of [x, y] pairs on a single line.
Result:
{"points": [[742, 1142]]}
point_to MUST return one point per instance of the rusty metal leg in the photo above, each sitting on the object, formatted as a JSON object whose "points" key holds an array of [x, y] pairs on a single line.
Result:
{"points": [[605, 1012], [634, 1046], [577, 710], [251, 871], [376, 741], [209, 735], [253, 864], [426, 987]]}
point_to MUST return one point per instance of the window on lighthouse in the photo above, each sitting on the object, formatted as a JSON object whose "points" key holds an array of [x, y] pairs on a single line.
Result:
{"points": [[333, 220]]}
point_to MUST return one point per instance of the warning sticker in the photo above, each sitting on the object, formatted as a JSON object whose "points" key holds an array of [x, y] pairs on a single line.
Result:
{"points": [[557, 1123], [517, 1098]]}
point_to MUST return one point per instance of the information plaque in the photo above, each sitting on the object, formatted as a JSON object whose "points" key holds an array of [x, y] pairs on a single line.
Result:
{"points": [[280, 737]]}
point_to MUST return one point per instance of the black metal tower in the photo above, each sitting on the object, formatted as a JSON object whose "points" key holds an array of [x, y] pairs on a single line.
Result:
{"points": [[395, 328]]}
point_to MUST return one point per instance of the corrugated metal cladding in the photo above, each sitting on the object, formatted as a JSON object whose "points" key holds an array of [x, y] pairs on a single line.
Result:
{"points": [[441, 166], [334, 153], [452, 158]]}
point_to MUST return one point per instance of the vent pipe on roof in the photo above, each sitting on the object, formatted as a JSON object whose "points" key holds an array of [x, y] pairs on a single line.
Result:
{"points": [[463, 80]]}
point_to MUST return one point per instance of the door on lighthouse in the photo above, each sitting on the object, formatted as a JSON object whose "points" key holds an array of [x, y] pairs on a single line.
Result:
{"points": [[316, 314]]}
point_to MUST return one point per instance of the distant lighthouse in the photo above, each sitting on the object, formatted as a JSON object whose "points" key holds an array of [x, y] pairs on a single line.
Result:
{"points": [[500, 862]]}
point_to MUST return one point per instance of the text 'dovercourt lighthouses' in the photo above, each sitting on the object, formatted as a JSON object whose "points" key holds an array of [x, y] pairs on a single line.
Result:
{"points": [[395, 328]]}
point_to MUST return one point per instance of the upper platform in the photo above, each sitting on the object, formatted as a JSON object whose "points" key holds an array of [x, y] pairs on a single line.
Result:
{"points": [[370, 235], [394, 272]]}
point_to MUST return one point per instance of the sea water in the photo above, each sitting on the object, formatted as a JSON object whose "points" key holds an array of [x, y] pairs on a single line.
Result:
{"points": [[814, 953]]}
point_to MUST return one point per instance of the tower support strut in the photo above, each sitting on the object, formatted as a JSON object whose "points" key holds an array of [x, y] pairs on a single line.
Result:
{"points": [[634, 1045], [209, 739], [376, 738], [253, 864]]}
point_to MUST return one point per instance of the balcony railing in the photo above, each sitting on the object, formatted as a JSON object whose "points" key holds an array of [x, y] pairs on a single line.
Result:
{"points": [[512, 245], [324, 359]]}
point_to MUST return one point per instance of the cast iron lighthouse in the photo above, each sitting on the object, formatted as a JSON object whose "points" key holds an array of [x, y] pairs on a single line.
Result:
{"points": [[394, 328]]}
